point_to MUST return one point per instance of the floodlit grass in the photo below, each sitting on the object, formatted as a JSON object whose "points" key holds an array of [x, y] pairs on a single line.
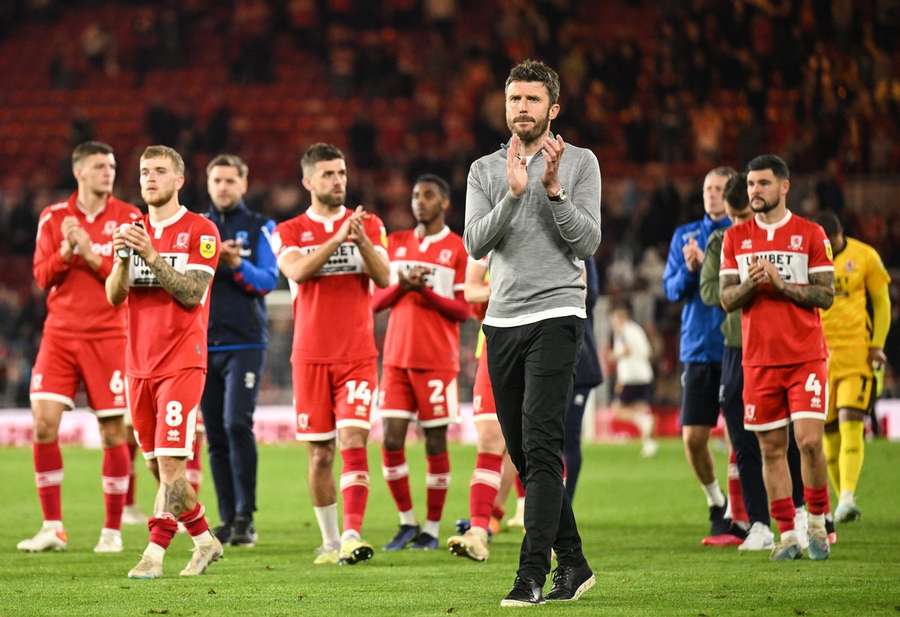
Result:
{"points": [[641, 522]]}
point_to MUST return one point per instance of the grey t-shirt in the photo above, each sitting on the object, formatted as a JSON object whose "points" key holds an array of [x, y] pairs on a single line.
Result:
{"points": [[537, 246]]}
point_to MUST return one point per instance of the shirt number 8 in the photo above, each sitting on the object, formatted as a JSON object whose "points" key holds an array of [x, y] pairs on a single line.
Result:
{"points": [[173, 413]]}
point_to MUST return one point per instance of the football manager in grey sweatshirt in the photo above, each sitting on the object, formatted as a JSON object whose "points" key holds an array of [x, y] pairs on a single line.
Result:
{"points": [[534, 206]]}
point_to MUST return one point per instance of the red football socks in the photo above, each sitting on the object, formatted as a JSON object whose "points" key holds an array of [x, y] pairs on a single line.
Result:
{"points": [[783, 512], [484, 487], [396, 473], [354, 487], [116, 470], [735, 492], [48, 476], [437, 482]]}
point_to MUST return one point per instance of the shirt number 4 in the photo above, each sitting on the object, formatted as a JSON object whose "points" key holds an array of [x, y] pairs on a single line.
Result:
{"points": [[815, 386]]}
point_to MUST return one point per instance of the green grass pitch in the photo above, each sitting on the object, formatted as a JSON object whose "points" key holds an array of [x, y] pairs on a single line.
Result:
{"points": [[641, 521]]}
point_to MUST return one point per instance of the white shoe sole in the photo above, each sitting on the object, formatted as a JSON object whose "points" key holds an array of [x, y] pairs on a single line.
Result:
{"points": [[519, 604]]}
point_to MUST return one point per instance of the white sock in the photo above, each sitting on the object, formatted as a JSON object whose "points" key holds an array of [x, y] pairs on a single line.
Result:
{"points": [[714, 496], [520, 505], [816, 521], [847, 497], [155, 552], [431, 528], [108, 531], [203, 539], [644, 423], [408, 518], [349, 534], [789, 537], [328, 524], [54, 525]]}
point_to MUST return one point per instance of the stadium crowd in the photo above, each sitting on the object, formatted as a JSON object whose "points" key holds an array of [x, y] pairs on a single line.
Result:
{"points": [[813, 81]]}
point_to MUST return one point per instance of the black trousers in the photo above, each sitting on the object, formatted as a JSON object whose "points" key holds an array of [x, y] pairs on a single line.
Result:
{"points": [[532, 373], [228, 403], [745, 444], [572, 452]]}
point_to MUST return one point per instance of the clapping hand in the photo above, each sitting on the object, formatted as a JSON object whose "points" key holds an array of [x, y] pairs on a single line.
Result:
{"points": [[553, 149], [693, 256], [516, 172]]}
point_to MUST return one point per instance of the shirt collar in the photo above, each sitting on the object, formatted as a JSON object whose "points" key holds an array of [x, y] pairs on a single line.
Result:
{"points": [[318, 218]]}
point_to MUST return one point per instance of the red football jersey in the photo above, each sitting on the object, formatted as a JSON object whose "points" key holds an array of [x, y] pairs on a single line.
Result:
{"points": [[332, 315], [418, 336], [164, 336], [775, 331], [76, 299]]}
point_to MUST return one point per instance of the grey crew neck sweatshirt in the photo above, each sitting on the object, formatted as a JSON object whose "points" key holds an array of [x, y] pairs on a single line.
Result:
{"points": [[537, 246]]}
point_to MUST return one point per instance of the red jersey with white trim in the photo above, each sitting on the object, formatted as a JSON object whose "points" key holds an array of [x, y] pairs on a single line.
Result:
{"points": [[776, 331], [332, 312], [164, 336], [418, 336], [76, 300]]}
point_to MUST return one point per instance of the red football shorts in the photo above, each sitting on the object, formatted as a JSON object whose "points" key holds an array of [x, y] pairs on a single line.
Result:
{"points": [[434, 394], [100, 363], [483, 406], [777, 395], [331, 396], [165, 411]]}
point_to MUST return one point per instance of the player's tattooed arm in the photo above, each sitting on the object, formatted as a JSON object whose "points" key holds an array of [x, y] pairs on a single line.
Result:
{"points": [[733, 293], [187, 288], [819, 293], [176, 497]]}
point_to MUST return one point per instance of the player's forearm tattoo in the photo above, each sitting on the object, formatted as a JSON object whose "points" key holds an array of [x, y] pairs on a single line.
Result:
{"points": [[733, 293], [176, 498], [187, 288], [819, 293]]}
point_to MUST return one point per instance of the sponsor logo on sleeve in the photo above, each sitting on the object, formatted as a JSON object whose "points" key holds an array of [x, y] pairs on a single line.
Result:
{"points": [[207, 246]]}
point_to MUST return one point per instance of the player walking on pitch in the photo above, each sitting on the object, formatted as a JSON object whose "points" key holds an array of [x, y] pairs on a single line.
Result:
{"points": [[777, 268], [329, 254], [856, 344], [84, 340], [164, 269], [421, 354]]}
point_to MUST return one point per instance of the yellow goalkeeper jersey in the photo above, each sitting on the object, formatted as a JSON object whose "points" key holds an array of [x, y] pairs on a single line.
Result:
{"points": [[857, 270]]}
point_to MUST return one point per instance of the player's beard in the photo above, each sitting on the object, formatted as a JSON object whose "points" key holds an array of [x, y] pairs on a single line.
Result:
{"points": [[766, 207], [534, 133], [332, 200], [161, 198]]}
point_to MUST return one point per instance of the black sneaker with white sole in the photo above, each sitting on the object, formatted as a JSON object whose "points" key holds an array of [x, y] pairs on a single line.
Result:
{"points": [[525, 592], [243, 533], [569, 583], [718, 524], [223, 532]]}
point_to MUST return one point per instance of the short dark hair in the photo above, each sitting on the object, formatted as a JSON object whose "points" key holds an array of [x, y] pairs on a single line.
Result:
{"points": [[436, 180], [316, 153], [736, 192], [770, 161], [88, 148], [830, 223], [228, 160], [535, 70]]}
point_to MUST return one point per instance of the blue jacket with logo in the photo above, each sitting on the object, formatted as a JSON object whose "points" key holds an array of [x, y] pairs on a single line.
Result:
{"points": [[701, 335], [237, 314]]}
